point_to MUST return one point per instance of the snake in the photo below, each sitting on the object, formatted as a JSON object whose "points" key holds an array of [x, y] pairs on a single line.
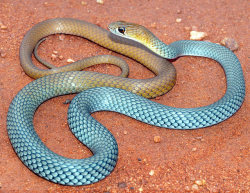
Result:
{"points": [[103, 92]]}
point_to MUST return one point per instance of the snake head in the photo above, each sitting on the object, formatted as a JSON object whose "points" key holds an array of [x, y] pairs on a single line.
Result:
{"points": [[132, 31], [142, 35]]}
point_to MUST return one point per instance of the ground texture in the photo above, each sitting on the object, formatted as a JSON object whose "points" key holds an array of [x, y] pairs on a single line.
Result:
{"points": [[214, 159]]}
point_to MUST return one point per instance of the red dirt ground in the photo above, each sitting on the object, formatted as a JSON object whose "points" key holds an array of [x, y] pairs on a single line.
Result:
{"points": [[213, 159]]}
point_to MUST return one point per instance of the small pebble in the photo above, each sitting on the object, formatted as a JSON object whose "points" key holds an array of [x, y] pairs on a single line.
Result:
{"points": [[230, 43], [187, 188], [84, 3], [60, 57], [61, 37], [122, 185], [199, 182], [157, 139], [125, 132], [3, 27], [178, 20], [2, 54], [55, 52], [178, 11], [158, 98], [151, 173], [153, 25], [199, 138], [100, 1], [70, 60], [53, 57], [194, 149], [140, 189], [108, 188], [187, 28], [139, 159], [67, 101], [132, 188], [195, 35], [192, 178], [195, 187]]}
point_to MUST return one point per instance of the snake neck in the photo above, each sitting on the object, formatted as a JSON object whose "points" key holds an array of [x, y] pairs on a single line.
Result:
{"points": [[162, 49]]}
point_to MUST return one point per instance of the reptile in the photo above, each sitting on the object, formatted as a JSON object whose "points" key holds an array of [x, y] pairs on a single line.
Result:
{"points": [[109, 93]]}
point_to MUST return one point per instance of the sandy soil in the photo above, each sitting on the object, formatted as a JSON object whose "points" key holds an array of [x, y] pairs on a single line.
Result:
{"points": [[214, 159]]}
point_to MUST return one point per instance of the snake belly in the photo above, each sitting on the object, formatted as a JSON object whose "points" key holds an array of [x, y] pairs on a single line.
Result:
{"points": [[42, 161]]}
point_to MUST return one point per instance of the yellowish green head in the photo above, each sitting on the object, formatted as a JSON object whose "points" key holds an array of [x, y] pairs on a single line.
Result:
{"points": [[142, 35], [132, 31]]}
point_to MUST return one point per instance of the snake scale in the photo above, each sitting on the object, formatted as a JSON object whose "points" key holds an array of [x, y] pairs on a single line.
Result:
{"points": [[106, 92]]}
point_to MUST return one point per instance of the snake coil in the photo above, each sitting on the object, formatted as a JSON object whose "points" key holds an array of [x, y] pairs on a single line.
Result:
{"points": [[100, 96]]}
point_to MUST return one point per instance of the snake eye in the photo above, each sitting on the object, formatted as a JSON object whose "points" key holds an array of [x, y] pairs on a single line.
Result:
{"points": [[121, 30]]}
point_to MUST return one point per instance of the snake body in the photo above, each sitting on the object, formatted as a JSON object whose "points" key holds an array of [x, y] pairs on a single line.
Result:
{"points": [[101, 96]]}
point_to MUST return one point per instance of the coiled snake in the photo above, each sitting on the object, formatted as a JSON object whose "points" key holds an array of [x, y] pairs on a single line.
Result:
{"points": [[101, 96]]}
